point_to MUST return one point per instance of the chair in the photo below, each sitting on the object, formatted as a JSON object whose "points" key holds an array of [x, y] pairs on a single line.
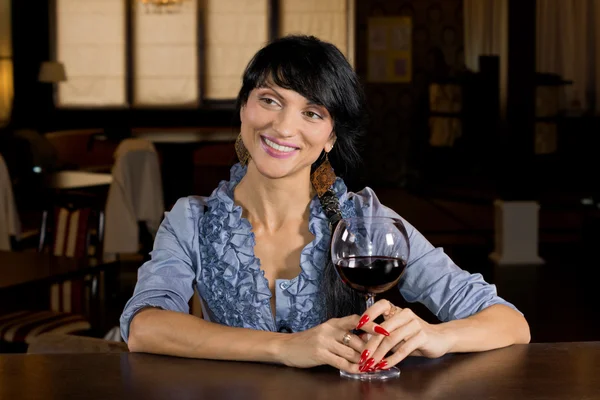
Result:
{"points": [[69, 301], [9, 218], [135, 199]]}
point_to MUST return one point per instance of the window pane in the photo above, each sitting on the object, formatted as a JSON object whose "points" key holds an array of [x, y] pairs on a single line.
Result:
{"points": [[6, 90], [91, 44], [235, 30], [325, 19], [166, 56], [5, 41]]}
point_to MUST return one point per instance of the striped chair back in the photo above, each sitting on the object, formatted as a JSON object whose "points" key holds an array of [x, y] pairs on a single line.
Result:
{"points": [[71, 232]]}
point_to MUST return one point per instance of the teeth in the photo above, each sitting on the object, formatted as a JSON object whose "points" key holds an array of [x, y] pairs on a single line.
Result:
{"points": [[285, 149]]}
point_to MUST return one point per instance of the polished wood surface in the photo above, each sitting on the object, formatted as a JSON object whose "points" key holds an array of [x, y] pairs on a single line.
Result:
{"points": [[26, 267], [538, 371]]}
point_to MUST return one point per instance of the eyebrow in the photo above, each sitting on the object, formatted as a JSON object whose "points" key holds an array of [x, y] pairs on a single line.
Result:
{"points": [[267, 86], [308, 102]]}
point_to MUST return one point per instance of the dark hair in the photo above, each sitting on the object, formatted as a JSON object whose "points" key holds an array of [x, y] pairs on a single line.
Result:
{"points": [[318, 71]]}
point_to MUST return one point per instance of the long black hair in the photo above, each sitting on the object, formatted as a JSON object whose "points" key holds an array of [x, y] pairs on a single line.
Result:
{"points": [[318, 71]]}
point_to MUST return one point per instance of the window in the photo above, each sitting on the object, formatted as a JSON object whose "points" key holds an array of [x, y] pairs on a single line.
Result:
{"points": [[185, 58], [6, 67], [91, 45], [327, 20], [229, 50], [166, 56]]}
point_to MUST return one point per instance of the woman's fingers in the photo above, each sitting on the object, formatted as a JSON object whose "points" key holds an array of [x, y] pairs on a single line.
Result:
{"points": [[345, 352], [366, 320], [401, 334], [404, 350], [343, 364], [355, 343]]}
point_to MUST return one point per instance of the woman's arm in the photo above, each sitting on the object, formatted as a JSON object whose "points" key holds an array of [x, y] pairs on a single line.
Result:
{"points": [[167, 332], [474, 317], [156, 319], [173, 333], [494, 327]]}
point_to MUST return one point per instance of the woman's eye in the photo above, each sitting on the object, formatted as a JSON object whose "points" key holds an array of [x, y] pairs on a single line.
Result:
{"points": [[312, 115], [268, 101]]}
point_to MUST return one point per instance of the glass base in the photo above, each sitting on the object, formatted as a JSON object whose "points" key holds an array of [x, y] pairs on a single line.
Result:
{"points": [[382, 375]]}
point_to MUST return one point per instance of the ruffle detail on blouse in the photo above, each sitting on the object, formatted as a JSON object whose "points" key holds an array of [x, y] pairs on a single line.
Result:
{"points": [[232, 284]]}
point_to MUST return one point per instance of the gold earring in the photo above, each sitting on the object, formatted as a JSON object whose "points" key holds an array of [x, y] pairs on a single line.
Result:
{"points": [[323, 177], [242, 153]]}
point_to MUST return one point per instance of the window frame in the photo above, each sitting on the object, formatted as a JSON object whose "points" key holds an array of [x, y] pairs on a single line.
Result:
{"points": [[273, 30]]}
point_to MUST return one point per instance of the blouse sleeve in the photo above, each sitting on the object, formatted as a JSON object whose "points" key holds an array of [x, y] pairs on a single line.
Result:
{"points": [[167, 280], [431, 277]]}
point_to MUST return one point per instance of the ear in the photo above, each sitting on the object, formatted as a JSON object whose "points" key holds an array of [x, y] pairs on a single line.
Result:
{"points": [[330, 142]]}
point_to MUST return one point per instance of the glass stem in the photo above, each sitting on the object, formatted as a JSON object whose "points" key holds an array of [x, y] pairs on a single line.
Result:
{"points": [[370, 300]]}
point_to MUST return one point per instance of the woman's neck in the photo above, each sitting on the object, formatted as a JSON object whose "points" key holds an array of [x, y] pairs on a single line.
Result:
{"points": [[271, 203]]}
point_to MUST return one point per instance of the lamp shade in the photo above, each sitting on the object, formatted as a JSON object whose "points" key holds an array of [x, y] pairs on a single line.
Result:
{"points": [[52, 72]]}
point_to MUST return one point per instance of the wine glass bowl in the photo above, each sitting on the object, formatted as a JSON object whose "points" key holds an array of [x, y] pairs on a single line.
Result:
{"points": [[370, 255]]}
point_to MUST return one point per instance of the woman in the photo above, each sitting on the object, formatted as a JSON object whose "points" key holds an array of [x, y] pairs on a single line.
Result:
{"points": [[257, 249]]}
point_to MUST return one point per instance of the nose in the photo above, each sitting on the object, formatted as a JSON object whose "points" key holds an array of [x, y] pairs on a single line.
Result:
{"points": [[285, 123]]}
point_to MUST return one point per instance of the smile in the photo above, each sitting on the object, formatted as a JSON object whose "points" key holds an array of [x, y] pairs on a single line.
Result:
{"points": [[273, 145], [277, 150]]}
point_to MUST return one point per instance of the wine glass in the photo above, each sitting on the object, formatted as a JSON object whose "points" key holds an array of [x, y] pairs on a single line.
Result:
{"points": [[370, 255]]}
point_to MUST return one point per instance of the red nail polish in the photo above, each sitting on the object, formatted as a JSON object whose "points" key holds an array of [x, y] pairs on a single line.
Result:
{"points": [[367, 365], [363, 357], [381, 365], [381, 331], [362, 322]]}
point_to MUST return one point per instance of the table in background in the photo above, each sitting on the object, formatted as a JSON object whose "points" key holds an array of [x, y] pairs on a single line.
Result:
{"points": [[177, 148], [71, 180], [548, 371], [26, 275]]}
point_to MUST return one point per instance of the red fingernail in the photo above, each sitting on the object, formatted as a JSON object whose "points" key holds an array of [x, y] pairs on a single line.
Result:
{"points": [[381, 365], [363, 356], [381, 331], [362, 322], [367, 365]]}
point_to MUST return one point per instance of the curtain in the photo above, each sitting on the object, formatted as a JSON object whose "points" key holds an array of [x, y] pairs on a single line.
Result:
{"points": [[235, 30], [486, 33], [91, 44], [166, 61], [486, 30], [325, 19], [565, 47]]}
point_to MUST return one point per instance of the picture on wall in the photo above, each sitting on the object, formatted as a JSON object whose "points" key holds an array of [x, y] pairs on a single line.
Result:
{"points": [[389, 49]]}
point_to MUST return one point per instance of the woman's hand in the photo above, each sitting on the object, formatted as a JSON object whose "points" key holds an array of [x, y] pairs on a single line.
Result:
{"points": [[323, 344], [404, 333]]}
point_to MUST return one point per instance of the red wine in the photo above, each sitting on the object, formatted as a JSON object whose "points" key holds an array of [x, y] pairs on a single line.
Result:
{"points": [[370, 274]]}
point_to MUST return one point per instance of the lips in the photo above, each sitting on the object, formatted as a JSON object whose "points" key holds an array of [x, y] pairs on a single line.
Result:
{"points": [[276, 150], [279, 142]]}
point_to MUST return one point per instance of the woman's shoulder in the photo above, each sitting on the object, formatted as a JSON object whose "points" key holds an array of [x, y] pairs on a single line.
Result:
{"points": [[186, 208], [182, 219], [367, 203]]}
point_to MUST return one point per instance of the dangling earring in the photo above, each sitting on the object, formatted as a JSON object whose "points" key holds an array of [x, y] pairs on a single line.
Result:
{"points": [[323, 177], [242, 153]]}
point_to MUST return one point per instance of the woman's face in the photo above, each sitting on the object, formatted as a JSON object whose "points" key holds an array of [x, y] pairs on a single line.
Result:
{"points": [[283, 131]]}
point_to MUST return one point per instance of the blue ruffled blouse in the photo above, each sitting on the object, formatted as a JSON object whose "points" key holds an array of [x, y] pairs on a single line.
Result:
{"points": [[204, 244]]}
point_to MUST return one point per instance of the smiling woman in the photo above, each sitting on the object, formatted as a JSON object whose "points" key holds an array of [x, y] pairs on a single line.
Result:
{"points": [[257, 249]]}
